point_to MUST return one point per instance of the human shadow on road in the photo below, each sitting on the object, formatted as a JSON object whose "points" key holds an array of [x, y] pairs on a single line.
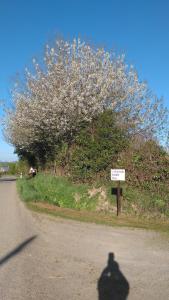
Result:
{"points": [[16, 250], [112, 284]]}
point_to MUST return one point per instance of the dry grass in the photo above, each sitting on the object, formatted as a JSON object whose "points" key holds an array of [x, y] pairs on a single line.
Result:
{"points": [[99, 217]]}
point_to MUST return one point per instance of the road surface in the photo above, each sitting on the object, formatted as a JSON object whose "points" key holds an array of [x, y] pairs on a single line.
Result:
{"points": [[42, 257]]}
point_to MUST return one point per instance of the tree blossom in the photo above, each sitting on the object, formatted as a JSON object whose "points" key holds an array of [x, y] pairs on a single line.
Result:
{"points": [[75, 83]]}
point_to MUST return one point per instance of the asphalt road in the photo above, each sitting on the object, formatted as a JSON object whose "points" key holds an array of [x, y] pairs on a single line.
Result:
{"points": [[43, 257]]}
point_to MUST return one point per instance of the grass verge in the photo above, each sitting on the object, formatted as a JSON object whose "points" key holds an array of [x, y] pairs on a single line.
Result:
{"points": [[56, 190], [98, 217], [60, 197]]}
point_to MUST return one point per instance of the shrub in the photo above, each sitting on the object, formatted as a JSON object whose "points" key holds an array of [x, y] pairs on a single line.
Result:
{"points": [[96, 145]]}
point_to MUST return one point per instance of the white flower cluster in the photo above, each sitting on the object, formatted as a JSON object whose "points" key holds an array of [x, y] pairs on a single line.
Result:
{"points": [[74, 84]]}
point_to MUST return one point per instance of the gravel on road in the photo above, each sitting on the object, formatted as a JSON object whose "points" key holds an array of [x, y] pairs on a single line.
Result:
{"points": [[43, 257]]}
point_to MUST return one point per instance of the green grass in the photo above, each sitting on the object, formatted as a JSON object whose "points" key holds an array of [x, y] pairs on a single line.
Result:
{"points": [[60, 197], [56, 190], [141, 202], [100, 217], [61, 192]]}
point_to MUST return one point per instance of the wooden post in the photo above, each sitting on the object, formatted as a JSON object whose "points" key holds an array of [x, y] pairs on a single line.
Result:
{"points": [[118, 175], [118, 199]]}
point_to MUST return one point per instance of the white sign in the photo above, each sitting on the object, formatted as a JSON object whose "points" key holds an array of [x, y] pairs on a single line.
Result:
{"points": [[118, 174]]}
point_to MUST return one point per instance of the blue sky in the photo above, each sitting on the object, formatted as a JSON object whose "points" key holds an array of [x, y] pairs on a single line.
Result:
{"points": [[139, 28]]}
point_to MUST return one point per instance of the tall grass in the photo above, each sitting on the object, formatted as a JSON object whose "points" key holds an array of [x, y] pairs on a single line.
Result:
{"points": [[56, 190], [61, 192]]}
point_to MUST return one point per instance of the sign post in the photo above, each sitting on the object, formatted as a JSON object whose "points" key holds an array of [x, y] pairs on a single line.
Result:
{"points": [[118, 199], [118, 175]]}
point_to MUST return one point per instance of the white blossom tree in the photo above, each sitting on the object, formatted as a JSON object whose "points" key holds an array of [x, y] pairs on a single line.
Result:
{"points": [[75, 83]]}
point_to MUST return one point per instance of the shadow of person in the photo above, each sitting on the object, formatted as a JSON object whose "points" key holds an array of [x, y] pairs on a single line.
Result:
{"points": [[112, 285]]}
